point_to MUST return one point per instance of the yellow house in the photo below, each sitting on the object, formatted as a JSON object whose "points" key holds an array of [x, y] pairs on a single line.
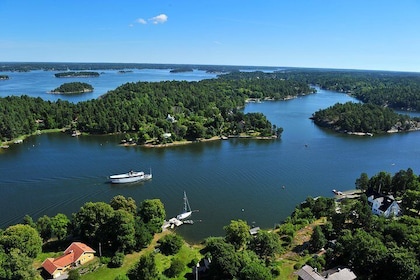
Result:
{"points": [[76, 254]]}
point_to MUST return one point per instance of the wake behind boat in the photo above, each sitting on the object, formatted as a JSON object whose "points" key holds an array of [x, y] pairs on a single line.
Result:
{"points": [[130, 177]]}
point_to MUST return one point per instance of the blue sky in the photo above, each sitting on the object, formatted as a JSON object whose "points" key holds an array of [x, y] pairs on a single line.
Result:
{"points": [[353, 34]]}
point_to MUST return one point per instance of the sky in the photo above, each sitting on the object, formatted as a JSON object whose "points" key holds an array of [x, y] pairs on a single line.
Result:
{"points": [[351, 34]]}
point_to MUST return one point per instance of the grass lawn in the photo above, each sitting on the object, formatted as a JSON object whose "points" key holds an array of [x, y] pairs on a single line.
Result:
{"points": [[186, 254]]}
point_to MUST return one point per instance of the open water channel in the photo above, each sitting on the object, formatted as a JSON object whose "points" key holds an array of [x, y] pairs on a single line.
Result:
{"points": [[259, 181]]}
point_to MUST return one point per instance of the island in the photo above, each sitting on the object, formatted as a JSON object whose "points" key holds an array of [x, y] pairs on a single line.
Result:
{"points": [[364, 119], [4, 77], [181, 70], [81, 74], [73, 88]]}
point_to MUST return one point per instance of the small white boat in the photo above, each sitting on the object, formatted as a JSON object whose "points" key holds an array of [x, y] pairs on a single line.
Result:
{"points": [[130, 177], [186, 210]]}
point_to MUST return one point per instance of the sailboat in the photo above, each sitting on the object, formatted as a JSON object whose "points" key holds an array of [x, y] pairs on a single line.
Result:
{"points": [[186, 210]]}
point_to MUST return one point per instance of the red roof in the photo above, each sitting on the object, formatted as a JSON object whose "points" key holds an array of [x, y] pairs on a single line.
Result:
{"points": [[70, 255]]}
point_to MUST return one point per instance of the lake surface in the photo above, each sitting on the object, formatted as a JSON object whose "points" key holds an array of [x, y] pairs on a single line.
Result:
{"points": [[224, 180]]}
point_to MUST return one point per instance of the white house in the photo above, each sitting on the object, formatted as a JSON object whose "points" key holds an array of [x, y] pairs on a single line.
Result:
{"points": [[383, 205]]}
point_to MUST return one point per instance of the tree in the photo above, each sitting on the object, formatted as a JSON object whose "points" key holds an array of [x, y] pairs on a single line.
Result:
{"points": [[255, 270], [43, 225], [362, 183], [142, 234], [92, 220], [237, 233], [152, 212], [27, 220], [16, 265], [171, 244], [122, 230], [127, 204], [265, 244], [22, 237], [318, 239], [145, 269], [225, 262], [59, 226], [177, 266]]}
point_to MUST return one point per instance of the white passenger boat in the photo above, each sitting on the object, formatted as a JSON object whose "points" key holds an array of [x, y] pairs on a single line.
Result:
{"points": [[130, 177]]}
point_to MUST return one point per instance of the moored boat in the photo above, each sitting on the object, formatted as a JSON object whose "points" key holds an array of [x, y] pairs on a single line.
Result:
{"points": [[186, 209], [130, 177]]}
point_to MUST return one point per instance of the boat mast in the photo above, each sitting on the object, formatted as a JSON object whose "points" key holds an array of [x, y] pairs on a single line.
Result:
{"points": [[187, 207]]}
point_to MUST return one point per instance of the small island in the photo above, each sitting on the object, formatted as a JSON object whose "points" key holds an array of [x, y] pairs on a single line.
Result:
{"points": [[4, 77], [364, 119], [73, 88], [83, 74], [181, 70]]}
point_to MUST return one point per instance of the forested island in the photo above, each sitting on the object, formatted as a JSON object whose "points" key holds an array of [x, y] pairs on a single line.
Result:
{"points": [[397, 90], [73, 88], [161, 112], [327, 234], [4, 77], [359, 118], [181, 70], [81, 74]]}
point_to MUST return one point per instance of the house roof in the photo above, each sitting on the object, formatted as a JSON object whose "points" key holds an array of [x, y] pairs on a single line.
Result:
{"points": [[70, 255], [308, 273]]}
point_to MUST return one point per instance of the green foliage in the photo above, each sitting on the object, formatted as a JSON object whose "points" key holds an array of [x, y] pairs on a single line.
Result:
{"points": [[177, 266], [74, 87], [59, 226], [22, 237], [127, 204], [359, 117], [152, 212], [74, 275], [16, 265], [393, 89], [171, 244], [43, 225], [76, 74], [318, 239], [117, 260], [255, 270], [92, 220], [201, 110], [237, 233], [145, 269], [265, 244]]}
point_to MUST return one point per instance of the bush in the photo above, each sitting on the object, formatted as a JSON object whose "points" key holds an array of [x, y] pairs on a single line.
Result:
{"points": [[117, 260], [177, 266], [170, 244]]}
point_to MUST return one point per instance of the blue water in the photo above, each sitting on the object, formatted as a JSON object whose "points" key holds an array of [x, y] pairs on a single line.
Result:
{"points": [[224, 180]]}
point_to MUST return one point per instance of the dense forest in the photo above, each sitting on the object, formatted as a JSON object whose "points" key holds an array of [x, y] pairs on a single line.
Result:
{"points": [[321, 232], [76, 74], [396, 90], [187, 110], [364, 118], [75, 87]]}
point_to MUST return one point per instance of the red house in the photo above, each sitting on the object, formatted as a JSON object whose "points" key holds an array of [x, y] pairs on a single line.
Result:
{"points": [[76, 254]]}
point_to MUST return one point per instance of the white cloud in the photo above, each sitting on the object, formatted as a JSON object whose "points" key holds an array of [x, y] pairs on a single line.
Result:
{"points": [[141, 21], [162, 18]]}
